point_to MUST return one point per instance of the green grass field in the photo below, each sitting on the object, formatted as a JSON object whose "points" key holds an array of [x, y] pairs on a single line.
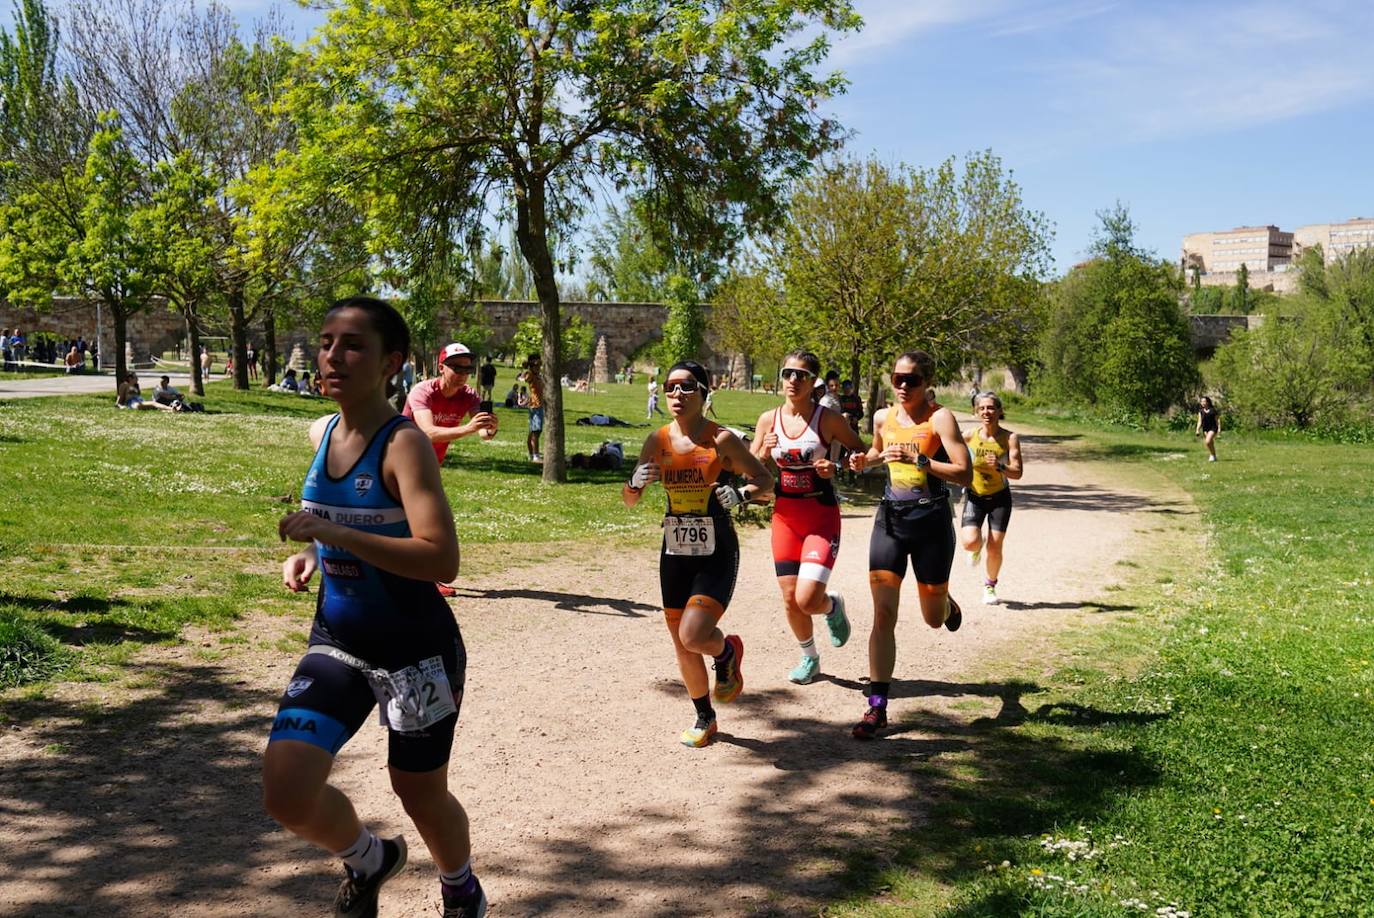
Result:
{"points": [[121, 527], [1209, 755]]}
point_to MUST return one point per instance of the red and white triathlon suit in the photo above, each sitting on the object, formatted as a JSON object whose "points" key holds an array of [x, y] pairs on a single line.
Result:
{"points": [[806, 515]]}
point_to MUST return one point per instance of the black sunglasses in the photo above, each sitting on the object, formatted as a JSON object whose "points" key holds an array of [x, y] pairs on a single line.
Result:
{"points": [[911, 380], [460, 367], [681, 386], [790, 373]]}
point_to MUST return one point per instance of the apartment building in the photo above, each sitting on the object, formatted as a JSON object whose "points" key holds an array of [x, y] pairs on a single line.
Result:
{"points": [[1336, 239], [1261, 249]]}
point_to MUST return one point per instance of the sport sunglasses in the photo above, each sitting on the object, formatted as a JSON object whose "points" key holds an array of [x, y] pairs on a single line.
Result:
{"points": [[681, 387], [911, 380], [788, 374]]}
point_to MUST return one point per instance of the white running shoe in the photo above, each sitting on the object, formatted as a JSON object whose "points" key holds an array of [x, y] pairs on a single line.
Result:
{"points": [[990, 596], [974, 557]]}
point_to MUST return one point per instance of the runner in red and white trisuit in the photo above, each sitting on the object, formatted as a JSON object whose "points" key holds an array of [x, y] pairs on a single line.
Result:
{"points": [[806, 515]]}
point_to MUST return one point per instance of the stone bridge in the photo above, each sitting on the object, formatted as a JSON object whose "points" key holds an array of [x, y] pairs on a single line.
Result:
{"points": [[628, 327], [1209, 332]]}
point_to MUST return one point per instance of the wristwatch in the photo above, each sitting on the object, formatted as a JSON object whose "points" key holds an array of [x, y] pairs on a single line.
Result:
{"points": [[922, 460]]}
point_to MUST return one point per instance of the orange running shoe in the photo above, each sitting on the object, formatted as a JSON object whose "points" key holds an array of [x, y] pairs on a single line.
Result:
{"points": [[700, 733], [729, 679]]}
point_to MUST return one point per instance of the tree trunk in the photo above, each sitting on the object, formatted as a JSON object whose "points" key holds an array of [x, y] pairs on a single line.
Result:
{"points": [[193, 336], [120, 317], [269, 347], [238, 338], [532, 236], [872, 405], [1020, 375]]}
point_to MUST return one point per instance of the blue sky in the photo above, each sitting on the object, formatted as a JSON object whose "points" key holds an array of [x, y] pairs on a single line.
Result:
{"points": [[1197, 115]]}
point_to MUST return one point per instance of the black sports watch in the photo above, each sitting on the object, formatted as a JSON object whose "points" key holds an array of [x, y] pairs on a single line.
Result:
{"points": [[922, 460]]}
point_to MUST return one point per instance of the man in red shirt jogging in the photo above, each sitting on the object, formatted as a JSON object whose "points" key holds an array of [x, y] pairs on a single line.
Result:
{"points": [[438, 406]]}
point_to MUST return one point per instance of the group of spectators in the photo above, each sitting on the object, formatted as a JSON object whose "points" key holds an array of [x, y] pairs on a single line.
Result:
{"points": [[69, 353]]}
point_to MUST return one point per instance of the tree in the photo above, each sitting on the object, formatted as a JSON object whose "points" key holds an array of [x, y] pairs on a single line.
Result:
{"points": [[577, 338], [1243, 288], [439, 113], [1345, 288], [634, 257], [684, 332], [745, 311], [875, 259], [1115, 333]]}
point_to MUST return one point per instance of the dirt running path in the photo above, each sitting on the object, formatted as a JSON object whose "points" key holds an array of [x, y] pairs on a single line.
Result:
{"points": [[582, 802]]}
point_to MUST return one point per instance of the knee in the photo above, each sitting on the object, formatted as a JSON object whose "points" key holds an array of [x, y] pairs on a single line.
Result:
{"points": [[810, 600], [971, 538], [288, 803], [422, 806]]}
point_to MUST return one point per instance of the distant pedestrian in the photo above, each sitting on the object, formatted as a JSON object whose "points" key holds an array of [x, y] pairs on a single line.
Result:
{"points": [[206, 361], [252, 363], [652, 407], [1208, 426], [535, 378], [486, 379]]}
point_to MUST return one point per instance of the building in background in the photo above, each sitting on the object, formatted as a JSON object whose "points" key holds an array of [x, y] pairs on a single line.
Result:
{"points": [[1336, 239], [1268, 252]]}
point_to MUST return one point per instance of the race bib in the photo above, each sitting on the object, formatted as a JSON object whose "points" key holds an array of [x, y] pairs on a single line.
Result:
{"points": [[694, 536], [413, 698], [798, 480]]}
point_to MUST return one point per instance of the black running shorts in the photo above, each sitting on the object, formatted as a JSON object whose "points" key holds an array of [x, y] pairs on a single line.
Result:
{"points": [[995, 508], [680, 577], [923, 533], [329, 697]]}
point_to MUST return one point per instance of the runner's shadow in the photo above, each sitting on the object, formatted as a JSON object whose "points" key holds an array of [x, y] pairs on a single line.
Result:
{"points": [[1076, 497], [151, 794], [566, 602], [1091, 605]]}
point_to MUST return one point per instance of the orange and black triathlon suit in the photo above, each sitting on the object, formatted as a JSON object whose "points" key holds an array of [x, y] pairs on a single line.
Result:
{"points": [[913, 519], [700, 554]]}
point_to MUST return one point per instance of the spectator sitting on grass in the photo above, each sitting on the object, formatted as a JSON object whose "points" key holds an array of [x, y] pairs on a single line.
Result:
{"points": [[288, 383], [511, 396], [131, 396], [164, 394], [304, 387]]}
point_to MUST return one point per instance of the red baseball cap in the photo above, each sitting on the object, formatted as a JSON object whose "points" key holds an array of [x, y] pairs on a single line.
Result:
{"points": [[453, 350]]}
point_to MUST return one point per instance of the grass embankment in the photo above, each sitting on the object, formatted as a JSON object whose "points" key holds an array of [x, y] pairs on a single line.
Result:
{"points": [[1210, 754], [121, 527]]}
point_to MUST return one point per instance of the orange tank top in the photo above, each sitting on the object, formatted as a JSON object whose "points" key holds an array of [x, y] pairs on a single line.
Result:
{"points": [[906, 480], [689, 477]]}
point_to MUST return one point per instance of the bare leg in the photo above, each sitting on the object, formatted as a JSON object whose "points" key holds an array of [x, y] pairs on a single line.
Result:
{"points": [[438, 816], [296, 794]]}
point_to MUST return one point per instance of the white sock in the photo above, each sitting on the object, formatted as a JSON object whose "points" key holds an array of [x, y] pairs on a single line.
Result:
{"points": [[808, 648], [364, 856]]}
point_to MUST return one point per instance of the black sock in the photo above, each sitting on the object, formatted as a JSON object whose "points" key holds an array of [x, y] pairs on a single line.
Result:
{"points": [[726, 653], [878, 690], [703, 706]]}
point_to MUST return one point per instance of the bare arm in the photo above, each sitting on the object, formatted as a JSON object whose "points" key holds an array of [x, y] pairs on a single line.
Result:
{"points": [[430, 552], [764, 437], [1013, 467], [959, 469], [424, 419], [631, 493], [739, 460]]}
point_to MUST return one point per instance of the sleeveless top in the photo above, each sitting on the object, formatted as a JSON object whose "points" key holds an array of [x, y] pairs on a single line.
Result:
{"points": [[1209, 418], [690, 478], [359, 606], [795, 456], [987, 481], [905, 481]]}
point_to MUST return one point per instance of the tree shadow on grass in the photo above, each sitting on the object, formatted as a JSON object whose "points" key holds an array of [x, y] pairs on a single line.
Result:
{"points": [[1084, 497], [1088, 605], [814, 829], [146, 806], [81, 620], [567, 602]]}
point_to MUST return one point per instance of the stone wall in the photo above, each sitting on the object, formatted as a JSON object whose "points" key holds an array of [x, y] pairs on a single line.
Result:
{"points": [[153, 330], [1208, 332], [627, 326]]}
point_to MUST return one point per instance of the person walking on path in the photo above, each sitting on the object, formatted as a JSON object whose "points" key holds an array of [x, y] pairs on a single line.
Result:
{"points": [[1208, 426], [996, 454], [377, 525], [206, 362], [486, 379], [652, 408], [699, 558], [806, 513], [920, 443]]}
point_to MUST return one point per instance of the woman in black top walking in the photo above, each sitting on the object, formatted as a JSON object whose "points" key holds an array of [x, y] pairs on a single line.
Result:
{"points": [[1208, 425]]}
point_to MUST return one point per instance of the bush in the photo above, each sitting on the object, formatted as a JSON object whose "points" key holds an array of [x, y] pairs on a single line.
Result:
{"points": [[27, 652]]}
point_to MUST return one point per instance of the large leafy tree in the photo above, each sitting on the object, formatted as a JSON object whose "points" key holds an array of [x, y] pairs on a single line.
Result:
{"points": [[1115, 333], [437, 114], [877, 259]]}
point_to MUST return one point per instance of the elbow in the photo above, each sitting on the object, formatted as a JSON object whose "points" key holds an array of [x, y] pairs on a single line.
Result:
{"points": [[447, 568]]}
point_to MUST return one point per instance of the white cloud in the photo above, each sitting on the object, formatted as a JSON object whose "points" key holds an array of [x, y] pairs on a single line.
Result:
{"points": [[1172, 72], [890, 22]]}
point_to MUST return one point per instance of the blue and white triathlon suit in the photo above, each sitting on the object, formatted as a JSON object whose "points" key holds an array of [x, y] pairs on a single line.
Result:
{"points": [[378, 639]]}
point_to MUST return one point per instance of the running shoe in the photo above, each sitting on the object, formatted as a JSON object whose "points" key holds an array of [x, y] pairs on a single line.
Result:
{"points": [[445, 590], [806, 671], [699, 733], [357, 896], [729, 679], [874, 719], [837, 621], [975, 556], [990, 595], [955, 618], [473, 905]]}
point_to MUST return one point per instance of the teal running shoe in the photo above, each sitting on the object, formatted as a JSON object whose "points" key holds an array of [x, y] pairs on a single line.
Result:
{"points": [[837, 621], [806, 671]]}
